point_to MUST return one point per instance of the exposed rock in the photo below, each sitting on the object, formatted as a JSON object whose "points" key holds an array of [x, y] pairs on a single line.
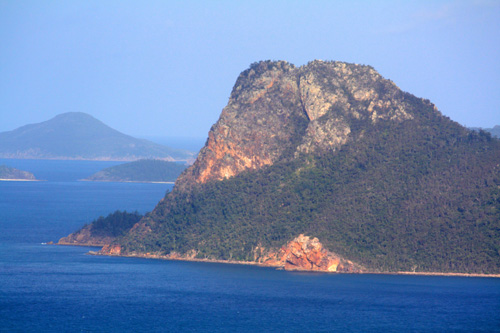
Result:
{"points": [[301, 254], [257, 126], [111, 249], [343, 153], [277, 109], [308, 254]]}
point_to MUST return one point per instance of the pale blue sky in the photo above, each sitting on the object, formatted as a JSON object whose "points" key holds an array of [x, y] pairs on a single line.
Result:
{"points": [[166, 68]]}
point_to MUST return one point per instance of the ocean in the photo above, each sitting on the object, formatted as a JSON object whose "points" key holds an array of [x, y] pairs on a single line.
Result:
{"points": [[46, 288]]}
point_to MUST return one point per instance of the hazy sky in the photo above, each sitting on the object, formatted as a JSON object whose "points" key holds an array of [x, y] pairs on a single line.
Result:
{"points": [[166, 68]]}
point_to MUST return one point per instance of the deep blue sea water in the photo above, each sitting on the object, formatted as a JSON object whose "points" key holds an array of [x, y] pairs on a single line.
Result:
{"points": [[59, 288]]}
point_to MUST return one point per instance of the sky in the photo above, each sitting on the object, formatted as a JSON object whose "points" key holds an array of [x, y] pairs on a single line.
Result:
{"points": [[166, 68]]}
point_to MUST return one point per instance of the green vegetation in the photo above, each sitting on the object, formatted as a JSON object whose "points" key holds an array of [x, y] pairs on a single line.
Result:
{"points": [[114, 225], [141, 171], [421, 194], [381, 177]]}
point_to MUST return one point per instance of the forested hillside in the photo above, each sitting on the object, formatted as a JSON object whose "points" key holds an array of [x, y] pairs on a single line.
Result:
{"points": [[378, 175]]}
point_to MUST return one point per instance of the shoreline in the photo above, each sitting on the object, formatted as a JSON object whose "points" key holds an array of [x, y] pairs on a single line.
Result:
{"points": [[279, 267], [446, 274], [125, 181], [19, 180], [160, 257], [68, 244]]}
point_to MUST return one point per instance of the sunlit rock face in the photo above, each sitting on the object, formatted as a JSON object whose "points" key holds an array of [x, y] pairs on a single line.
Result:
{"points": [[308, 254], [260, 122], [277, 110], [111, 249]]}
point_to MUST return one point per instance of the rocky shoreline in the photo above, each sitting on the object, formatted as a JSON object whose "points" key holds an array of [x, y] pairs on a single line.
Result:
{"points": [[281, 267], [289, 258]]}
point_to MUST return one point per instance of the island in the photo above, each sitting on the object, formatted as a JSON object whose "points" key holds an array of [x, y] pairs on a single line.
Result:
{"points": [[12, 174], [330, 167], [79, 136], [154, 171]]}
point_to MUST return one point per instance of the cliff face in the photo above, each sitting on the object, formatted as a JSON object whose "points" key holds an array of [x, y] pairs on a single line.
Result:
{"points": [[279, 111], [307, 254], [257, 127]]}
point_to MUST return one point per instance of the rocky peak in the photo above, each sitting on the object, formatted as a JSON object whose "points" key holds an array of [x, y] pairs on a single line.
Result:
{"points": [[277, 110], [260, 123]]}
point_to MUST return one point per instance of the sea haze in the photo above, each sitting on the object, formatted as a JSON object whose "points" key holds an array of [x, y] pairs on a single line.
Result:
{"points": [[60, 288]]}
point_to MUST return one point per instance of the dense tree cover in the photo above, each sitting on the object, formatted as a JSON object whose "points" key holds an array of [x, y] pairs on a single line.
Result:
{"points": [[142, 170], [421, 194], [115, 224]]}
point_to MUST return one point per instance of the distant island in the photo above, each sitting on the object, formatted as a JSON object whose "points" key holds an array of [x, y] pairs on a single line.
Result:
{"points": [[8, 173], [494, 131], [140, 171], [79, 136]]}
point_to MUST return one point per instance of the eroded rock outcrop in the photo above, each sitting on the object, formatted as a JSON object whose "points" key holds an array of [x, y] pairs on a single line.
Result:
{"points": [[300, 254], [277, 111], [308, 254], [261, 120], [111, 249]]}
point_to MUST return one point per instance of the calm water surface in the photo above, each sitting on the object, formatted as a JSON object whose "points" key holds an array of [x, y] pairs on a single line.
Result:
{"points": [[55, 288]]}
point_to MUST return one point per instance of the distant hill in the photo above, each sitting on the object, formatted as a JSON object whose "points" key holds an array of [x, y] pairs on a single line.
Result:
{"points": [[79, 136], [8, 173], [495, 131], [140, 171]]}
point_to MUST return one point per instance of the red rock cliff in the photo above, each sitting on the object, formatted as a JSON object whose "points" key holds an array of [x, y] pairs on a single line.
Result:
{"points": [[308, 254], [277, 110]]}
